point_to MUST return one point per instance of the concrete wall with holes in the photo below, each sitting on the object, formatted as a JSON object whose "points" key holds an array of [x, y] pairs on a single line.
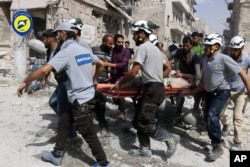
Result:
{"points": [[98, 18], [239, 22], [5, 38]]}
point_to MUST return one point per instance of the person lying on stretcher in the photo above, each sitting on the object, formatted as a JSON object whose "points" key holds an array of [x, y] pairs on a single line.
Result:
{"points": [[174, 82], [182, 80]]}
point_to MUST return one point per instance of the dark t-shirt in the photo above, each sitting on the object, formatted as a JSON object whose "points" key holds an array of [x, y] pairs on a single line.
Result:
{"points": [[60, 76], [180, 64], [172, 48], [103, 78], [131, 51]]}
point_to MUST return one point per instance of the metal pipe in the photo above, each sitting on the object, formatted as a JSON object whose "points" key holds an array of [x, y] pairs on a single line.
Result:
{"points": [[119, 10]]}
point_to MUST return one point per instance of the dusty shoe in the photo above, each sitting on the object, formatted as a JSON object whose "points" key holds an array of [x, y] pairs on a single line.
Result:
{"points": [[141, 152], [172, 144], [101, 165], [225, 130], [236, 147], [216, 153], [49, 156], [208, 148]]}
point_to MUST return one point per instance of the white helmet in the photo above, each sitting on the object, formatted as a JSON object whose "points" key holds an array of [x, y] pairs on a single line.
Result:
{"points": [[212, 39], [147, 26], [77, 22], [237, 42], [153, 38]]}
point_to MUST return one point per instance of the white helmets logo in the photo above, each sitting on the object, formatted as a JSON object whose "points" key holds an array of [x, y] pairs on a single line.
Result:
{"points": [[212, 39], [237, 42]]}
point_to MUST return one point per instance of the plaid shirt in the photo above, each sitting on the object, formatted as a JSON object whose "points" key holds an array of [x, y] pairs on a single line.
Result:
{"points": [[121, 60]]}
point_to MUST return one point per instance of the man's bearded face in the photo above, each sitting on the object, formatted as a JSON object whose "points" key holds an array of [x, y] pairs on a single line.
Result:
{"points": [[119, 44], [137, 38]]}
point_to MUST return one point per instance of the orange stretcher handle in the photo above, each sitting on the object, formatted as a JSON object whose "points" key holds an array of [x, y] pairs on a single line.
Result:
{"points": [[100, 87], [104, 86], [132, 91]]}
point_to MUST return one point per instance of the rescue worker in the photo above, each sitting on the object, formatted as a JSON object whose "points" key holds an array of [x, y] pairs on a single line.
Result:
{"points": [[78, 27], [149, 60], [77, 61], [217, 70], [237, 94]]}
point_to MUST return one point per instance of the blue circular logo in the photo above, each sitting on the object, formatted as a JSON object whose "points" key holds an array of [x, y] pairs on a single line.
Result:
{"points": [[22, 22]]}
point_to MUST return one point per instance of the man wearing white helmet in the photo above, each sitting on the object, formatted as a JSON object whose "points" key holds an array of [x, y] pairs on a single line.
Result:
{"points": [[237, 94], [78, 27], [217, 70], [77, 62], [149, 60], [154, 39]]}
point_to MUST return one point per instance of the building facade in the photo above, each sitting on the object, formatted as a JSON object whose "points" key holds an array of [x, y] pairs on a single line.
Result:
{"points": [[176, 19], [238, 22]]}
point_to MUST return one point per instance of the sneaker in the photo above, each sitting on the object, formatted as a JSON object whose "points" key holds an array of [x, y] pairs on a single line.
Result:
{"points": [[216, 153], [98, 165], [208, 148], [172, 145], [225, 130], [140, 152], [48, 156], [236, 147]]}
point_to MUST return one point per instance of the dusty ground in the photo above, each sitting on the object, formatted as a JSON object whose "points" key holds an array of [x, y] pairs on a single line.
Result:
{"points": [[28, 127]]}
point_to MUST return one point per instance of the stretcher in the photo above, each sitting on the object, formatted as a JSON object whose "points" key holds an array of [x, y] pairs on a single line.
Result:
{"points": [[133, 91]]}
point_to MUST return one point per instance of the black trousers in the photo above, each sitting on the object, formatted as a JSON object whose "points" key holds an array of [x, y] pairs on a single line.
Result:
{"points": [[100, 109], [82, 117], [152, 97], [121, 103]]}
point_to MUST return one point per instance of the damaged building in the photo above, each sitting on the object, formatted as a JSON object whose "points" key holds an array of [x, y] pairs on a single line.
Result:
{"points": [[238, 22], [176, 19]]}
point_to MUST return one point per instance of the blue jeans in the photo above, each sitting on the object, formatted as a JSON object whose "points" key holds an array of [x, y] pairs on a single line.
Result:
{"points": [[215, 102], [60, 104], [36, 85]]}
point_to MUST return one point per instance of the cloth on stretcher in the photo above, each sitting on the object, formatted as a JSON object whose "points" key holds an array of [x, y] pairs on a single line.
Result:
{"points": [[130, 90]]}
